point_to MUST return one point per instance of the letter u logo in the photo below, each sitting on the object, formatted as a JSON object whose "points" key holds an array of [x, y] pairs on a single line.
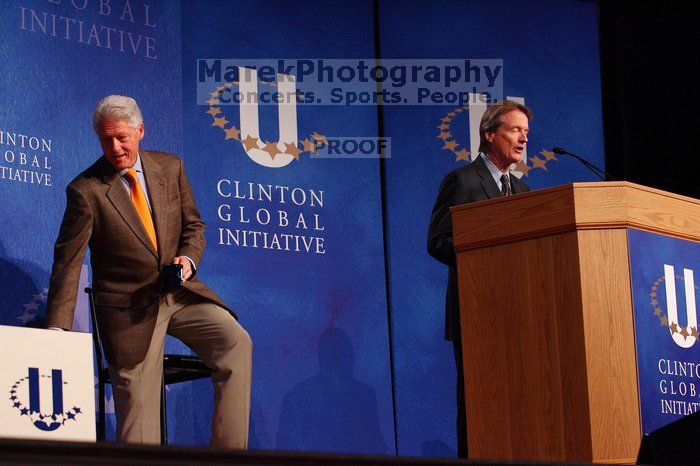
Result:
{"points": [[681, 335], [250, 123], [35, 399]]}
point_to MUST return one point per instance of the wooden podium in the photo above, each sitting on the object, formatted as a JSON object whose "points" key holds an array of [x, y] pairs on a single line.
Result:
{"points": [[547, 319]]}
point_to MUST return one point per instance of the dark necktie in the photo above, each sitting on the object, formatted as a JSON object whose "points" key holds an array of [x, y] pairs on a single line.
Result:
{"points": [[505, 185]]}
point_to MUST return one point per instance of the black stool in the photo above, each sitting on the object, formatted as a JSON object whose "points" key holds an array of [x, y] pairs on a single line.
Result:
{"points": [[176, 368]]}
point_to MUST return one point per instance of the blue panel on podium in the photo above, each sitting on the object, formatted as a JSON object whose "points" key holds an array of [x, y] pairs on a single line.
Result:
{"points": [[668, 354]]}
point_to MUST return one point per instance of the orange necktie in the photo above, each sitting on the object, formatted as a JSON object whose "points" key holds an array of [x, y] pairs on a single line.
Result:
{"points": [[139, 200]]}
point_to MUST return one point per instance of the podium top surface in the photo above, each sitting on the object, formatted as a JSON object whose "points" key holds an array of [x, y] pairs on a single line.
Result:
{"points": [[575, 206]]}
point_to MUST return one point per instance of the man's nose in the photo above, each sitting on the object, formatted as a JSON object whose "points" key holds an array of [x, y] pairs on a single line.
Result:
{"points": [[116, 145], [523, 137]]}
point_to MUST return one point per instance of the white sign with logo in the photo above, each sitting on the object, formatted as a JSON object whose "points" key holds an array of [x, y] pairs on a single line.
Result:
{"points": [[47, 385]]}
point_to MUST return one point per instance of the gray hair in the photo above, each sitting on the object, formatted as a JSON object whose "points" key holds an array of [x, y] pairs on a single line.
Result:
{"points": [[491, 120], [116, 107]]}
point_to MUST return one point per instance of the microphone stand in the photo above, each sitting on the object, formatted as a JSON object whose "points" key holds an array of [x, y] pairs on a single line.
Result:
{"points": [[602, 174]]}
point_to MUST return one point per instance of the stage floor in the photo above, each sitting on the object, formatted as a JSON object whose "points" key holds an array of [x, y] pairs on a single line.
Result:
{"points": [[32, 452]]}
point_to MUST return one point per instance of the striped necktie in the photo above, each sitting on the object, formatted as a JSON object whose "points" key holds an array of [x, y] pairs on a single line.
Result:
{"points": [[139, 200], [505, 185]]}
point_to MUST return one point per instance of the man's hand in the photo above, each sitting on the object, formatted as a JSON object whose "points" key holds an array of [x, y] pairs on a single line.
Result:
{"points": [[186, 266]]}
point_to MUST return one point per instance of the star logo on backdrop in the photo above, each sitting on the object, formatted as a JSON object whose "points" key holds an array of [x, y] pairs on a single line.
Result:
{"points": [[31, 308], [273, 148], [460, 152]]}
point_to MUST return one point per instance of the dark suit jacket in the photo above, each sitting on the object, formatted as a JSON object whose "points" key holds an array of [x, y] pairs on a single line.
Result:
{"points": [[466, 184], [126, 268]]}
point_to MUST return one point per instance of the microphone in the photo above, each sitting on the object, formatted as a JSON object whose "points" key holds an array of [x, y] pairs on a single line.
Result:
{"points": [[602, 174]]}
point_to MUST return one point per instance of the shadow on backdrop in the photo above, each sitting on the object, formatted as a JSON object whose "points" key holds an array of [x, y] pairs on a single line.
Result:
{"points": [[259, 438], [331, 411], [23, 301], [437, 449]]}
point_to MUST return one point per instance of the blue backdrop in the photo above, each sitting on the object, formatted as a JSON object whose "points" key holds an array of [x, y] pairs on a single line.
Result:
{"points": [[319, 318], [550, 59], [318, 321], [63, 61]]}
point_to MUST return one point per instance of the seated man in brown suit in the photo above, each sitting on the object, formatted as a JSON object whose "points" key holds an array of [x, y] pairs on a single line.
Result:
{"points": [[136, 211]]}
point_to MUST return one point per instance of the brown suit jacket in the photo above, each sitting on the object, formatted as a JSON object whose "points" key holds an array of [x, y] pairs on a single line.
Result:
{"points": [[126, 268]]}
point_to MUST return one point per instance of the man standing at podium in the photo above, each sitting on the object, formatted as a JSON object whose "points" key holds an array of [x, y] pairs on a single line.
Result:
{"points": [[136, 211], [503, 136]]}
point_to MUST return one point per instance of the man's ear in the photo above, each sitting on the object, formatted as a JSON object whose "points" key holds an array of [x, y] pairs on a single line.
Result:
{"points": [[141, 131], [489, 136]]}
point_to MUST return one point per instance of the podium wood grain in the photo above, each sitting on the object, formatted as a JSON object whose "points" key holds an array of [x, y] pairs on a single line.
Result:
{"points": [[547, 318]]}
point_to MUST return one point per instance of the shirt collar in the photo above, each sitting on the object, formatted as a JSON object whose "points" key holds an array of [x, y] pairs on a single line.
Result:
{"points": [[493, 169], [137, 166]]}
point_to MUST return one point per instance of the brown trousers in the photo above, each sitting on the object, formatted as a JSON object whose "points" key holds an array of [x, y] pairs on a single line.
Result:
{"points": [[219, 341]]}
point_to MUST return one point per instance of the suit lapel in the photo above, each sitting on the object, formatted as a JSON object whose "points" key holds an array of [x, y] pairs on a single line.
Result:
{"points": [[516, 185], [121, 201], [488, 184], [158, 193]]}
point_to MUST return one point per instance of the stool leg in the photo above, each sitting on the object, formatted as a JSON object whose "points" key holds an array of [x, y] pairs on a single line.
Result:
{"points": [[163, 414], [101, 406]]}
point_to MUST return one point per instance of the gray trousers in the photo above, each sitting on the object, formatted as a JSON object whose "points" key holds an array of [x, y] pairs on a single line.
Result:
{"points": [[219, 341]]}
